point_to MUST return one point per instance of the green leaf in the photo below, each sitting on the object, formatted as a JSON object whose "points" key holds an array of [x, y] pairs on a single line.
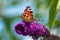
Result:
{"points": [[49, 3], [52, 13], [57, 22]]}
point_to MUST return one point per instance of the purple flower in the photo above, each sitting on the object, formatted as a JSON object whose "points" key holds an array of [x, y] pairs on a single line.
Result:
{"points": [[32, 29]]}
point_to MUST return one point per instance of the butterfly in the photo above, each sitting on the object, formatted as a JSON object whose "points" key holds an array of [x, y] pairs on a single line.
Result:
{"points": [[27, 16]]}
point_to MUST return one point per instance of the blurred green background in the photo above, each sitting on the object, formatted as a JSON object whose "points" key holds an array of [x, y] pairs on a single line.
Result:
{"points": [[11, 10]]}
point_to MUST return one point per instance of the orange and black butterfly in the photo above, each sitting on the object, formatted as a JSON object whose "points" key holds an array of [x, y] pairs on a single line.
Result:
{"points": [[27, 15]]}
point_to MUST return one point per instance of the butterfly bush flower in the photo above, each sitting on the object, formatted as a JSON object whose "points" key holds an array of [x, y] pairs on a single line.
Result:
{"points": [[32, 29]]}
